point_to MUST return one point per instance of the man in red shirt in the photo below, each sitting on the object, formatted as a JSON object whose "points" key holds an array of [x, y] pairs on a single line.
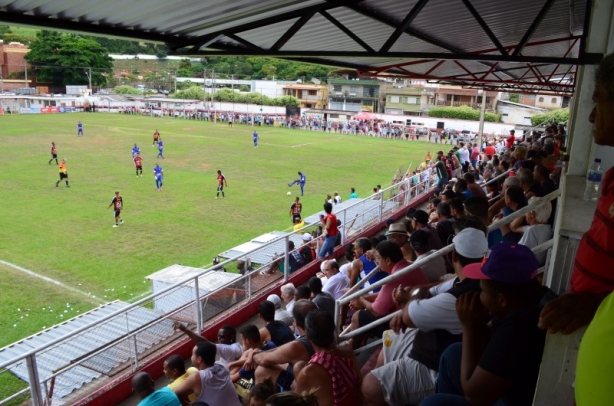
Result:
{"points": [[156, 137], [509, 143], [490, 150], [592, 278]]}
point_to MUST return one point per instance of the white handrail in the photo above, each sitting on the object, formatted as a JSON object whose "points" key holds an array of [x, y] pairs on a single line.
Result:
{"points": [[346, 336]]}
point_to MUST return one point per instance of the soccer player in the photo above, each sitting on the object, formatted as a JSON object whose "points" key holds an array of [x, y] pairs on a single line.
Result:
{"points": [[63, 173], [79, 129], [118, 206], [138, 164], [135, 151], [295, 210], [301, 182], [158, 176], [54, 153], [221, 182], [255, 135], [160, 149], [156, 137]]}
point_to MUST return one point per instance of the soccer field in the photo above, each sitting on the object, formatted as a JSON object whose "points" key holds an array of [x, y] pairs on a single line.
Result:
{"points": [[65, 234]]}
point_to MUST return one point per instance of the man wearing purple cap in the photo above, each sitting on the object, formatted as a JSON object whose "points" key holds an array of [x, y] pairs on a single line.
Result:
{"points": [[504, 357]]}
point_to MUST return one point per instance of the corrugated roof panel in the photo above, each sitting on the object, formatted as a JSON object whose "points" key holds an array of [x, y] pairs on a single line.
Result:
{"points": [[372, 32], [319, 30], [408, 43], [265, 37]]}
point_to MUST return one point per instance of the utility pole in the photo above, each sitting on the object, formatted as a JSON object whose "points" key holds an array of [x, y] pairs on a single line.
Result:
{"points": [[482, 114], [1, 96], [212, 94], [89, 76], [204, 87], [25, 69], [175, 80], [232, 84]]}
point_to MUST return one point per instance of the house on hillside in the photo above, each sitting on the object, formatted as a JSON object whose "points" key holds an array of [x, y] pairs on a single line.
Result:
{"points": [[353, 95], [309, 95], [456, 96], [545, 101], [405, 100], [516, 113]]}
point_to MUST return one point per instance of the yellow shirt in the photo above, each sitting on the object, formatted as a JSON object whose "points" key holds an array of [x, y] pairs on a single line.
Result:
{"points": [[595, 367], [299, 225], [62, 167], [175, 384]]}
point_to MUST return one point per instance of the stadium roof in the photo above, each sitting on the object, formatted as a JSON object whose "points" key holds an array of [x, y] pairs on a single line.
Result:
{"points": [[521, 45]]}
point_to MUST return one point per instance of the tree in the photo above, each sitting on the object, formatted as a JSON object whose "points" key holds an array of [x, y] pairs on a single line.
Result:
{"points": [[559, 116], [66, 59], [514, 97]]}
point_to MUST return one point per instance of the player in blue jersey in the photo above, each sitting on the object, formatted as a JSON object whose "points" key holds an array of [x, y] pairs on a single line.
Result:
{"points": [[135, 151], [255, 135], [79, 129], [160, 149], [158, 176], [301, 182]]}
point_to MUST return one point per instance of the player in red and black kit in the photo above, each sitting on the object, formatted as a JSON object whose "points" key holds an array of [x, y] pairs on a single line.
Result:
{"points": [[156, 136], [138, 163], [54, 153], [118, 206], [221, 182], [295, 210]]}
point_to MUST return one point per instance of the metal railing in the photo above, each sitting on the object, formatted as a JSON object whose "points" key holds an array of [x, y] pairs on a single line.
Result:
{"points": [[355, 292], [130, 336]]}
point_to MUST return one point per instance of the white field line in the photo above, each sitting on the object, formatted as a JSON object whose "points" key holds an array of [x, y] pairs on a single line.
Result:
{"points": [[50, 280]]}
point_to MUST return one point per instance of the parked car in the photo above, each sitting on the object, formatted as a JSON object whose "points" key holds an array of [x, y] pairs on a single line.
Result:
{"points": [[469, 134]]}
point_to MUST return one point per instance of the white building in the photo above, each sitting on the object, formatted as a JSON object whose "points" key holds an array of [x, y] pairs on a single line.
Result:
{"points": [[516, 113]]}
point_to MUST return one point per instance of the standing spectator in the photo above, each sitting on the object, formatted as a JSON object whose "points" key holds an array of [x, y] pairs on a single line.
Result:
{"points": [[337, 198], [442, 173], [353, 194], [464, 157], [329, 222], [227, 348], [509, 143]]}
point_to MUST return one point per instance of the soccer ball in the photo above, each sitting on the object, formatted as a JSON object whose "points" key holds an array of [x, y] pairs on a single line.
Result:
{"points": [[289, 193]]}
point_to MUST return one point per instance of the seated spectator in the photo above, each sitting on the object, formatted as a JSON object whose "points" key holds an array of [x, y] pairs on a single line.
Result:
{"points": [[444, 223], [434, 269], [364, 263], [420, 221], [302, 292], [492, 190], [259, 393], [333, 373], [274, 330], [321, 299], [340, 235], [143, 386], [530, 187], [447, 195], [280, 314], [288, 291], [461, 187], [372, 307], [212, 384], [407, 366], [244, 267], [174, 370], [227, 348], [473, 187], [542, 176], [294, 258], [509, 361], [514, 200], [538, 230], [398, 233], [457, 208], [337, 282], [478, 206], [293, 399], [496, 207], [251, 341], [307, 250], [271, 364]]}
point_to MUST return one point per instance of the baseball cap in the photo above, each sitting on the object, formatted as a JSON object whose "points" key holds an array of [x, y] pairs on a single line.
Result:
{"points": [[275, 300], [421, 217], [506, 262], [470, 243], [306, 237], [419, 240]]}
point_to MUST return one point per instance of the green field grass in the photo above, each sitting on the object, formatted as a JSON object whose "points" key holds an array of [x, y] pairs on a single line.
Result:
{"points": [[66, 234]]}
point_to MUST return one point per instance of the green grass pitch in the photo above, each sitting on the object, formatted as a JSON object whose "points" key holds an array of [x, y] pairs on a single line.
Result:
{"points": [[66, 234]]}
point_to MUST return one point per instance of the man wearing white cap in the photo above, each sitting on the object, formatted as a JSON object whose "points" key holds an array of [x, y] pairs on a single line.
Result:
{"points": [[407, 368], [280, 314]]}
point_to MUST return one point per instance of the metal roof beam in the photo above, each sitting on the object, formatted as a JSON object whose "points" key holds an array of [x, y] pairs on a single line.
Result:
{"points": [[244, 42], [331, 4], [347, 32], [413, 13], [484, 26], [533, 27], [293, 30]]}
